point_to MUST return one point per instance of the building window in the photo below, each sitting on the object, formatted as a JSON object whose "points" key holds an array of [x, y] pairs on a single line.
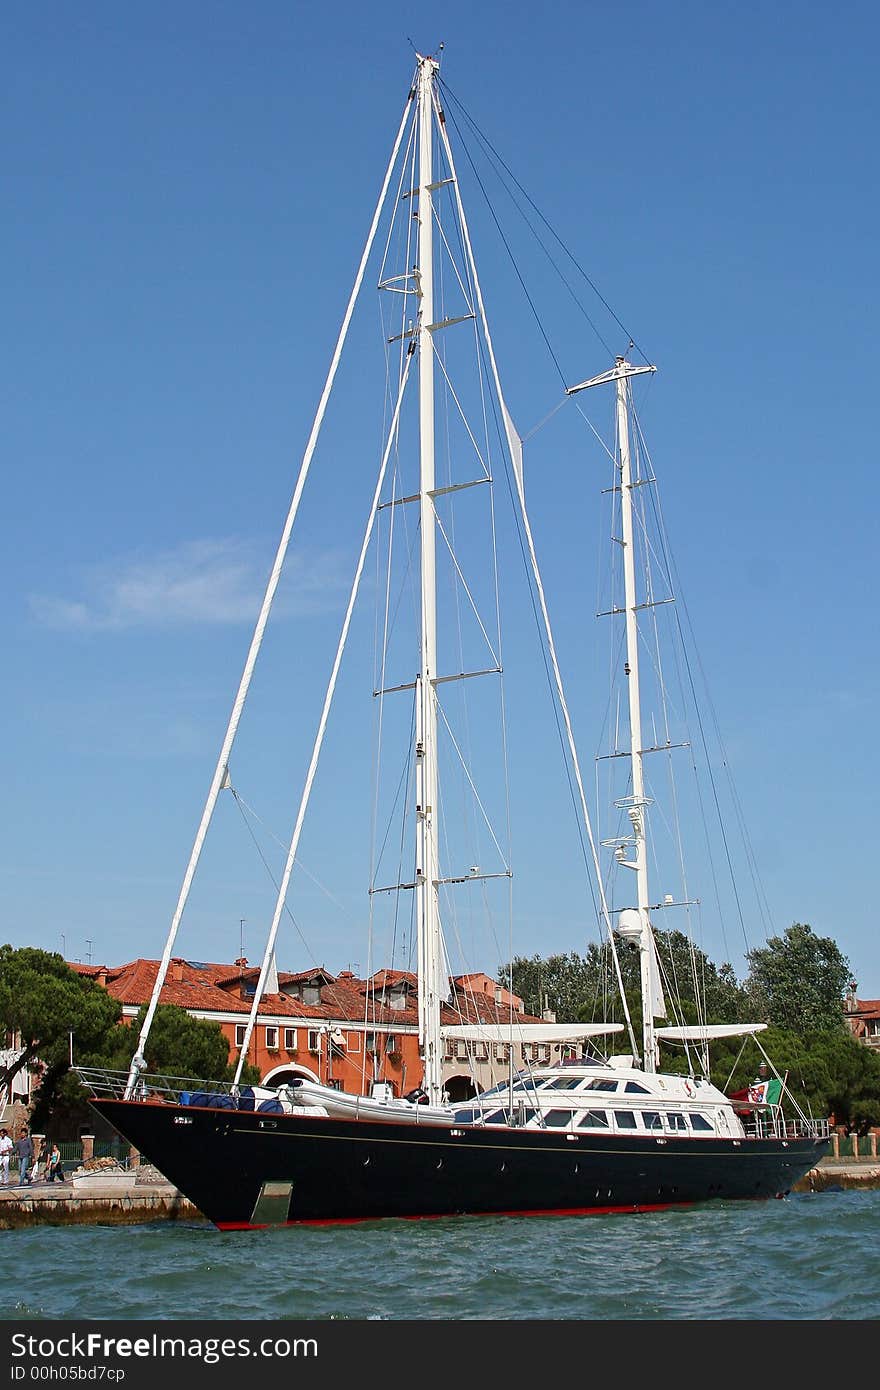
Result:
{"points": [[290, 1039], [271, 1039], [314, 1040], [240, 1030], [391, 1043], [370, 1042]]}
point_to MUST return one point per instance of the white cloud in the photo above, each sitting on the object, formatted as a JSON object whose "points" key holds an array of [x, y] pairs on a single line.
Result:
{"points": [[199, 582]]}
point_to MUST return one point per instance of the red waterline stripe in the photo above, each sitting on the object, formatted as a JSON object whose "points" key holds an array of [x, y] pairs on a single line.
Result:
{"points": [[442, 1216]]}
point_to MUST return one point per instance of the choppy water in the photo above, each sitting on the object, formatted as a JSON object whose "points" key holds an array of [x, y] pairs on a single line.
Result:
{"points": [[807, 1257]]}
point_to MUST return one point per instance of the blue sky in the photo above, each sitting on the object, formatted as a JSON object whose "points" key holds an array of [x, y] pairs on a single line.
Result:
{"points": [[188, 189]]}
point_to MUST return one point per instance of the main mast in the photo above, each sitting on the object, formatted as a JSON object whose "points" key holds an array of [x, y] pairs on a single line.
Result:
{"points": [[427, 866]]}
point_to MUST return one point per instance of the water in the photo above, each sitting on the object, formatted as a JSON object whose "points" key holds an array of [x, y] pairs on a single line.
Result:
{"points": [[806, 1257]]}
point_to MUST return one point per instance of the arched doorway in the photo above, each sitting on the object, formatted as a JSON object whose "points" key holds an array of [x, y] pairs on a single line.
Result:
{"points": [[282, 1076], [459, 1088]]}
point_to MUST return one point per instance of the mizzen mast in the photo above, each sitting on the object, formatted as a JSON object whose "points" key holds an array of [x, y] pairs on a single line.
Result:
{"points": [[634, 923]]}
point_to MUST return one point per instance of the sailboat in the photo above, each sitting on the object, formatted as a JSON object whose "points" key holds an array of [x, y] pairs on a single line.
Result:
{"points": [[590, 1129]]}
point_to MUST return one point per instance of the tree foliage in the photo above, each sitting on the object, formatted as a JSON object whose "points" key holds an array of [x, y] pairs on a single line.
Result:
{"points": [[828, 1072], [180, 1046], [45, 1001], [580, 988], [797, 981]]}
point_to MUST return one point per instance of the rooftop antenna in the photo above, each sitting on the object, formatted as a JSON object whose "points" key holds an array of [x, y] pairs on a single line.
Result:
{"points": [[89, 944]]}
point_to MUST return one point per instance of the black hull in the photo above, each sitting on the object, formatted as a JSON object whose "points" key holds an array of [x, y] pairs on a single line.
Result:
{"points": [[249, 1170]]}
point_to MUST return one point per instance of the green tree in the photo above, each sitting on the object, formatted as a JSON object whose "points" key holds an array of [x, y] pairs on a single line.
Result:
{"points": [[828, 1073], [45, 1001], [582, 988], [562, 983], [797, 981], [179, 1046]]}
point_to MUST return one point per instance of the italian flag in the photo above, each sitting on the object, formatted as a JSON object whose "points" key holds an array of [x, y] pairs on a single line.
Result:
{"points": [[760, 1093]]}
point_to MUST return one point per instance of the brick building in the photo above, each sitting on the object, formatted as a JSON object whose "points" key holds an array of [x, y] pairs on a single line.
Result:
{"points": [[336, 1029]]}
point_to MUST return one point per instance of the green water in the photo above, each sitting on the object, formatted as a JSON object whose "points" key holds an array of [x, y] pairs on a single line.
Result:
{"points": [[802, 1258]]}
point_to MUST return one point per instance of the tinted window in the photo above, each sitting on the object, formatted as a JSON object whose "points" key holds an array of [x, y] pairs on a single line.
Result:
{"points": [[625, 1119], [603, 1085], [594, 1119], [557, 1119], [700, 1122], [562, 1083], [676, 1122], [633, 1088], [651, 1120]]}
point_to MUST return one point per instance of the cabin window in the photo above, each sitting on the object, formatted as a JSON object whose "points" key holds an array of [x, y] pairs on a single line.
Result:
{"points": [[497, 1117], [599, 1084], [633, 1088], [594, 1119], [271, 1039], [290, 1040], [314, 1040], [700, 1122], [625, 1119], [353, 1042], [240, 1030], [561, 1083], [651, 1119], [676, 1122], [558, 1119]]}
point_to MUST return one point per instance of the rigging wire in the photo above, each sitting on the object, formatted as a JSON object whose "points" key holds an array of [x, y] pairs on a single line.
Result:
{"points": [[513, 262], [484, 140]]}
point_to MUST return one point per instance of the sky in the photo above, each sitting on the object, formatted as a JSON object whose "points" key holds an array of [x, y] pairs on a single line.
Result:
{"points": [[188, 190]]}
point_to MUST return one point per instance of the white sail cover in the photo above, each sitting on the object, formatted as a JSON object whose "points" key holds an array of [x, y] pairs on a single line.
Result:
{"points": [[704, 1033], [528, 1032], [657, 1001]]}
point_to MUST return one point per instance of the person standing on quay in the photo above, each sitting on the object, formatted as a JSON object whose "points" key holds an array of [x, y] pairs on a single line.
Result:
{"points": [[53, 1168], [5, 1155], [24, 1147]]}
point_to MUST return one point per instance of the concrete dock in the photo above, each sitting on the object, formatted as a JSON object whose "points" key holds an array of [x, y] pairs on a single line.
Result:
{"points": [[105, 1202]]}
